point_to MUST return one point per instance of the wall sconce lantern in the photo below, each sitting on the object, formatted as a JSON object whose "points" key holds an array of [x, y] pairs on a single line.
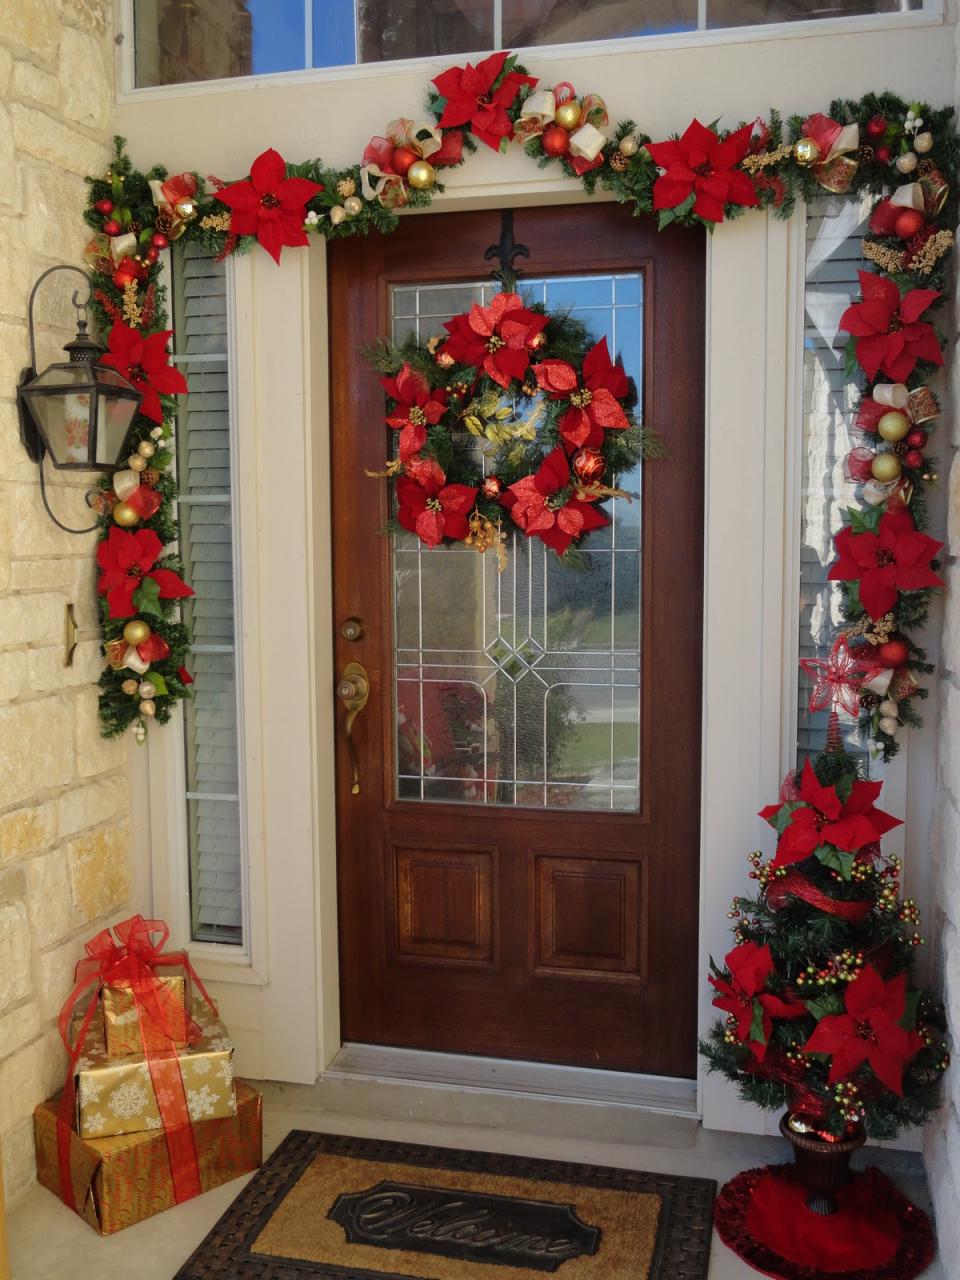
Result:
{"points": [[78, 411]]}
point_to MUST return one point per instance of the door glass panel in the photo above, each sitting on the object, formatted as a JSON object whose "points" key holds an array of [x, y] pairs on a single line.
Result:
{"points": [[523, 687]]}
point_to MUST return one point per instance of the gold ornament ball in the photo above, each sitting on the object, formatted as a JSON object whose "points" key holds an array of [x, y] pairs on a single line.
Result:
{"points": [[146, 689], [923, 143], [907, 162], [421, 175], [136, 463], [568, 114], [885, 467], [130, 686], [629, 145], [136, 632], [353, 205], [806, 152], [146, 448], [337, 214], [888, 707], [186, 209], [148, 707], [893, 426], [125, 516]]}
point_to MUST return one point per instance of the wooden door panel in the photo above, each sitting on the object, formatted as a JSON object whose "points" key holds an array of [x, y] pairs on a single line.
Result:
{"points": [[545, 934]]}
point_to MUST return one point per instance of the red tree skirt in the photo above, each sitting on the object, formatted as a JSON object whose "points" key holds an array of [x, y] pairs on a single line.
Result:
{"points": [[877, 1234]]}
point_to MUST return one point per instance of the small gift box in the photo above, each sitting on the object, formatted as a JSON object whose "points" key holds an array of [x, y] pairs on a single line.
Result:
{"points": [[122, 1019], [114, 1182], [118, 1095]]}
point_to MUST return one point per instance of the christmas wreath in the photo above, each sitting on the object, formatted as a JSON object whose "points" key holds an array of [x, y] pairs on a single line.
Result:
{"points": [[513, 412]]}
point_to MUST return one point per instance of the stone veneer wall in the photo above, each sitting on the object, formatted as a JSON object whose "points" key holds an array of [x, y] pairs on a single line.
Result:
{"points": [[64, 796]]}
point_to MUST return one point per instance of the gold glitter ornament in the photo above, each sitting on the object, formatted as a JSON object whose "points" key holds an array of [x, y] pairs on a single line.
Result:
{"points": [[346, 187], [136, 632], [125, 516], [885, 468], [893, 426], [130, 686]]}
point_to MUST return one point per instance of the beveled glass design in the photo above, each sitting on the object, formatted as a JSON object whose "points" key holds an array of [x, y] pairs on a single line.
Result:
{"points": [[523, 688]]}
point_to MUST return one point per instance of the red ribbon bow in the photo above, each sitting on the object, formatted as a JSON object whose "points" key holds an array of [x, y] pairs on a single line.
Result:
{"points": [[133, 961]]}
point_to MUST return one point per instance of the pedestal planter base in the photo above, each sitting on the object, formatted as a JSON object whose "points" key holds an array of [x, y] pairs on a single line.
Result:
{"points": [[822, 1167]]}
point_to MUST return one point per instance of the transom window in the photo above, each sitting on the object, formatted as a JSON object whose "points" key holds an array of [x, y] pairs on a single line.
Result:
{"points": [[181, 41]]}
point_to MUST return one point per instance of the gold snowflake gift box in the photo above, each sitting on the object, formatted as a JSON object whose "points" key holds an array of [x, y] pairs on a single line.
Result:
{"points": [[121, 1019], [116, 1095]]}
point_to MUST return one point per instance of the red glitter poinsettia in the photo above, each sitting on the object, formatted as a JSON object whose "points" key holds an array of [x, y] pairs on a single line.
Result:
{"points": [[699, 164], [143, 359], [497, 338], [837, 678], [127, 558], [890, 335], [480, 95], [744, 997], [896, 558], [820, 817], [545, 505], [594, 406], [270, 205], [431, 508], [416, 406], [869, 1031]]}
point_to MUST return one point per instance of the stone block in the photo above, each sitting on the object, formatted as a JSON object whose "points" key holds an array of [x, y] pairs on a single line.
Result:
{"points": [[16, 279], [47, 674], [31, 619], [91, 804], [30, 84], [39, 135], [19, 1027], [31, 26], [95, 754], [88, 15], [27, 831], [55, 970], [13, 679], [44, 738], [19, 1162], [14, 350], [35, 534], [9, 164], [30, 1076], [56, 200], [13, 886], [50, 906], [6, 66], [15, 976], [87, 83], [100, 870]]}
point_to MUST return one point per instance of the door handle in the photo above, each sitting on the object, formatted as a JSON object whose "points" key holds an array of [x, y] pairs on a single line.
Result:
{"points": [[353, 690]]}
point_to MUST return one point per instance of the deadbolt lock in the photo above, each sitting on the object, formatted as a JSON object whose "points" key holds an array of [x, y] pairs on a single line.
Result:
{"points": [[352, 629]]}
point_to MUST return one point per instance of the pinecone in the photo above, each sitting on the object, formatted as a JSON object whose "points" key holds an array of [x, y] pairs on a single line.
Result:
{"points": [[618, 162], [346, 187], [150, 476]]}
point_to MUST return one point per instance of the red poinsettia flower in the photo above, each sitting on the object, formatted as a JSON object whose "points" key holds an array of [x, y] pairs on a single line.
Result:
{"points": [[890, 335], [127, 558], [869, 1031], [471, 98], [431, 508], [820, 817], [416, 406], [743, 996], [184, 675], [270, 205], [143, 359], [594, 407], [896, 558], [497, 338], [702, 165], [545, 505]]}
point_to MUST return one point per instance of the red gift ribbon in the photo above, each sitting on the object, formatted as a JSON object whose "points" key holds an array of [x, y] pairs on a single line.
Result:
{"points": [[796, 883], [160, 1014]]}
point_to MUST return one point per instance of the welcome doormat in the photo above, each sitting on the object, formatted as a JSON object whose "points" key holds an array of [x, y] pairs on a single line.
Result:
{"points": [[339, 1208]]}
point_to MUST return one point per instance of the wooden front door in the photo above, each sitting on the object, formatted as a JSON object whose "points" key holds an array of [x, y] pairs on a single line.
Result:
{"points": [[518, 874]]}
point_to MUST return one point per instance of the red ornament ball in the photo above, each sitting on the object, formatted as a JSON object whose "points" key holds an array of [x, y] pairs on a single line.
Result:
{"points": [[152, 254], [908, 223], [159, 241], [104, 206], [883, 154], [876, 126], [917, 438], [403, 158], [556, 140], [124, 275], [588, 465], [894, 653], [111, 227], [913, 458]]}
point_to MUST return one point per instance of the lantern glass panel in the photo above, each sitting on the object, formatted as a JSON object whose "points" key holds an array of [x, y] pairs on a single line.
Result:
{"points": [[114, 418], [63, 415]]}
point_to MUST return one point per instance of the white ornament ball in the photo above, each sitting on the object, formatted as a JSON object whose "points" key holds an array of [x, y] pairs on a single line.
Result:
{"points": [[907, 162], [156, 433], [923, 143], [888, 725], [629, 146], [874, 493], [146, 689], [353, 205], [140, 732], [888, 707]]}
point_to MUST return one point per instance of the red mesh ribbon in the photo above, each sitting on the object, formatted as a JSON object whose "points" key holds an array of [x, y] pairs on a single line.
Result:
{"points": [[797, 884], [133, 961]]}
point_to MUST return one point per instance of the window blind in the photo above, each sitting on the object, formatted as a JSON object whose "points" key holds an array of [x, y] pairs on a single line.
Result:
{"points": [[211, 720]]}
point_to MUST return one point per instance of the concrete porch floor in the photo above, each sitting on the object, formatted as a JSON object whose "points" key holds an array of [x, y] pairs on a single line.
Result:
{"points": [[48, 1242]]}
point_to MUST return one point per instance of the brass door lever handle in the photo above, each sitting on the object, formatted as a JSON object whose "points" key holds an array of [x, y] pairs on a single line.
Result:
{"points": [[353, 690]]}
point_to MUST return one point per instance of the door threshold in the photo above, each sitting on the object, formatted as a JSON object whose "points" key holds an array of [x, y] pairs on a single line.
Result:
{"points": [[661, 1095]]}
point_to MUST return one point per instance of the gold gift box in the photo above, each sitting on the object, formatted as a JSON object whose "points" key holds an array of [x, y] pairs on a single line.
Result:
{"points": [[122, 1180], [121, 1023], [115, 1095]]}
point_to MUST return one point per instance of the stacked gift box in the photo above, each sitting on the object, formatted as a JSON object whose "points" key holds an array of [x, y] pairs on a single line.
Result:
{"points": [[150, 1113]]}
